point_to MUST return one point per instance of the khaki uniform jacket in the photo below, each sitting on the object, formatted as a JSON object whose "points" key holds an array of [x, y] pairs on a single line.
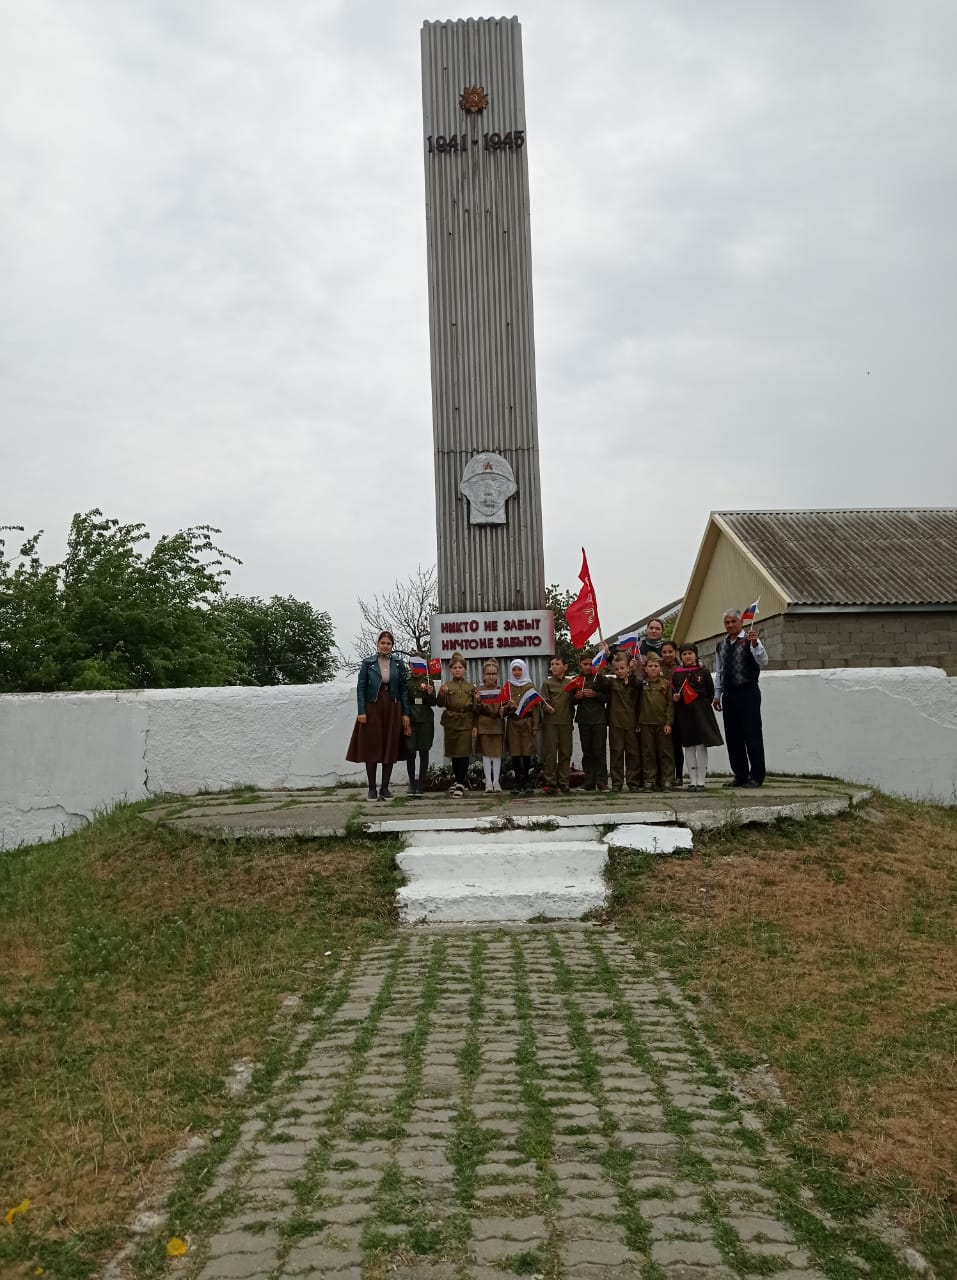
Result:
{"points": [[553, 691], [421, 702], [657, 703], [458, 717], [623, 703], [593, 710], [520, 735], [488, 721]]}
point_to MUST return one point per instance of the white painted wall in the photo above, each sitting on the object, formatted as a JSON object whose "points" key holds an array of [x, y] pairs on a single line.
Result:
{"points": [[889, 727], [64, 756]]}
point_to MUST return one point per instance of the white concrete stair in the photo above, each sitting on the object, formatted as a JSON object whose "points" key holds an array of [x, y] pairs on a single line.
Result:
{"points": [[500, 880]]}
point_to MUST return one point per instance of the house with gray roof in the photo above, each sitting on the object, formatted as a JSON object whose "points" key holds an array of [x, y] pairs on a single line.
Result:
{"points": [[847, 588]]}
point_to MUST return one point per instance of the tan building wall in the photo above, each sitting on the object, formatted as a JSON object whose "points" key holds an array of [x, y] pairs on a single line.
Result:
{"points": [[811, 641], [729, 580]]}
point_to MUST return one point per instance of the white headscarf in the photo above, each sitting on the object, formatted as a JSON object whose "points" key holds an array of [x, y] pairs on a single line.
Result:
{"points": [[524, 678]]}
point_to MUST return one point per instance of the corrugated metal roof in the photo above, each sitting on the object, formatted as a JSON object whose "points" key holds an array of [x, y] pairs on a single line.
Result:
{"points": [[899, 556], [668, 611]]}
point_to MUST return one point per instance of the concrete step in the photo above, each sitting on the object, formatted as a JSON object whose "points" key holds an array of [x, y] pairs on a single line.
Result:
{"points": [[499, 881], [515, 823]]}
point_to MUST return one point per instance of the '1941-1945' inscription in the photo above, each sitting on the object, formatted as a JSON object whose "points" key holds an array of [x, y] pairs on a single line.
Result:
{"points": [[513, 140]]}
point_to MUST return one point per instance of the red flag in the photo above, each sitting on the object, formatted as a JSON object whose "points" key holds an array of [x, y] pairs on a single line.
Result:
{"points": [[435, 666], [582, 614], [688, 694], [573, 685]]}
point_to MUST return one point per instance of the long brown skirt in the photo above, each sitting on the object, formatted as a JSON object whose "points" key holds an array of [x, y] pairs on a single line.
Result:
{"points": [[379, 740]]}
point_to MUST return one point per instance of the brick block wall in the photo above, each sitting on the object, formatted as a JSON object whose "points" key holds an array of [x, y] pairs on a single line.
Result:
{"points": [[812, 641]]}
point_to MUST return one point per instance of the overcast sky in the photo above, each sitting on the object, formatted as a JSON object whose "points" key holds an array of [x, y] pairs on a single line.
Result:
{"points": [[213, 298]]}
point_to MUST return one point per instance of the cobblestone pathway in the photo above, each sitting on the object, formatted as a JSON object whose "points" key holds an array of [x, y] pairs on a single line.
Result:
{"points": [[478, 1103]]}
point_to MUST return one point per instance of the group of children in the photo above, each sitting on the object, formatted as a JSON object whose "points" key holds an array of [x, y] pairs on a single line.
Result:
{"points": [[653, 713]]}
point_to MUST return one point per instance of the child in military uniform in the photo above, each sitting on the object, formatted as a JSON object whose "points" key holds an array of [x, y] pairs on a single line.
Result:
{"points": [[669, 660], [418, 745], [458, 720], [520, 735], [623, 727], [557, 728], [590, 716], [490, 726], [655, 718]]}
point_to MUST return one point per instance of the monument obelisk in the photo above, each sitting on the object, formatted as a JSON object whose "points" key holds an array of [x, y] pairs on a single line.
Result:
{"points": [[484, 411]]}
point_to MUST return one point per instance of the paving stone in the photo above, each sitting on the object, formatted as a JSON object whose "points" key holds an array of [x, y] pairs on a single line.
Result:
{"points": [[516, 1229], [695, 1253], [593, 1229], [506, 1191], [427, 1271], [576, 1169], [679, 1207], [507, 1218], [499, 1170], [664, 1228], [497, 1248], [755, 1228], [595, 1271], [736, 1188], [601, 1253], [347, 1213], [679, 1271], [639, 1138], [238, 1266], [243, 1242], [592, 1206]]}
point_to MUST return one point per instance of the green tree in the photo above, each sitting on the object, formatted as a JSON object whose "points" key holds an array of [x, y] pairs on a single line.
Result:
{"points": [[557, 599], [278, 641], [109, 616]]}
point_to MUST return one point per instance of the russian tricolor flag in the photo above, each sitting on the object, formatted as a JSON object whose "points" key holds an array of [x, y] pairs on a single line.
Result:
{"points": [[419, 666], [628, 643], [490, 696], [600, 661], [747, 618], [530, 698]]}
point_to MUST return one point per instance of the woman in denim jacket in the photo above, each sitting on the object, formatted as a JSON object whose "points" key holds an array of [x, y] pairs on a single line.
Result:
{"points": [[383, 720]]}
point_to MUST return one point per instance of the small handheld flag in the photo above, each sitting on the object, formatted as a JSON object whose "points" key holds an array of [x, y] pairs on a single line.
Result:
{"points": [[600, 661], [530, 698], [628, 643], [576, 683], [493, 697], [435, 666], [419, 666], [747, 618], [688, 695]]}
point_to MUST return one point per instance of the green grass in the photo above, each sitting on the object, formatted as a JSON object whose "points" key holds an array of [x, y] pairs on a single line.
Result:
{"points": [[136, 965], [828, 950]]}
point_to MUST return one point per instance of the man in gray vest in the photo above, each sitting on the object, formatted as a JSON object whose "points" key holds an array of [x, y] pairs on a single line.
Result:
{"points": [[738, 662]]}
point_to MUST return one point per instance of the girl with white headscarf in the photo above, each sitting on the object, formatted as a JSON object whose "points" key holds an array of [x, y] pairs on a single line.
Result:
{"points": [[520, 735]]}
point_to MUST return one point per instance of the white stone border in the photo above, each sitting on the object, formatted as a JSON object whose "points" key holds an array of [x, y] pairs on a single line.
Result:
{"points": [[66, 756]]}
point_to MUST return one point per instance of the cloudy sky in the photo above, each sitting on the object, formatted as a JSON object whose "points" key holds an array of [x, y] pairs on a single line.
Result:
{"points": [[213, 286]]}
